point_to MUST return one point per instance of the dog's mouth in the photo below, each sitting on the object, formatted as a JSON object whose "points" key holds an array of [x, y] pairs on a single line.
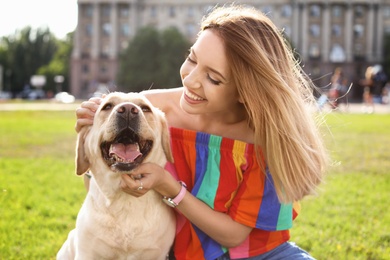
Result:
{"points": [[126, 151]]}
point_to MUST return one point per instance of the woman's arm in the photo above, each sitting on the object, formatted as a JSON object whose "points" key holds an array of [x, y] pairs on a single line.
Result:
{"points": [[219, 226], [85, 114]]}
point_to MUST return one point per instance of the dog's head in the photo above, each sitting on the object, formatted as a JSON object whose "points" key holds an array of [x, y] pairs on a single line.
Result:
{"points": [[127, 131]]}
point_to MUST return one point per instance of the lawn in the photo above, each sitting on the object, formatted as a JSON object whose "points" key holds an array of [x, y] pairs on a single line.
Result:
{"points": [[40, 194]]}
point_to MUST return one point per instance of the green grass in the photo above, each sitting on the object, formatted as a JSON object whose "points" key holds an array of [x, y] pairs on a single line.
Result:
{"points": [[350, 218], [40, 194]]}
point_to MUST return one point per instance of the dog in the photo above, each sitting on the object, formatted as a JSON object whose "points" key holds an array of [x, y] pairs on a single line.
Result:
{"points": [[112, 224]]}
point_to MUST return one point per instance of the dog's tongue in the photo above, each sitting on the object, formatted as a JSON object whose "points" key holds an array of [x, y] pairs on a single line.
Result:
{"points": [[128, 152]]}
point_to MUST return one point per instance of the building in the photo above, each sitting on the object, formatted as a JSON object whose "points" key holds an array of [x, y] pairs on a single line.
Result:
{"points": [[326, 33]]}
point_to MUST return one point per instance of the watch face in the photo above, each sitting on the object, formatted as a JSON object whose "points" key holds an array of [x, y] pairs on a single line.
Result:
{"points": [[169, 202]]}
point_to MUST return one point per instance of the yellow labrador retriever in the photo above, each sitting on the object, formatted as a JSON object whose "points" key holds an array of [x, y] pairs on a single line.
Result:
{"points": [[111, 224]]}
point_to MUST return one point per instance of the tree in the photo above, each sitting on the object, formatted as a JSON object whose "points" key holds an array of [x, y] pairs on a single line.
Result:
{"points": [[174, 47], [26, 52], [138, 65], [153, 59], [59, 65]]}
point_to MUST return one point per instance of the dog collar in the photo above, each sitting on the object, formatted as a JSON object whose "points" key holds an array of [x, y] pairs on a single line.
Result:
{"points": [[176, 200]]}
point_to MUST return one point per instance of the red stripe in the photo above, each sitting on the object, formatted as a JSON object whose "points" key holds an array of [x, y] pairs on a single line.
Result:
{"points": [[227, 180]]}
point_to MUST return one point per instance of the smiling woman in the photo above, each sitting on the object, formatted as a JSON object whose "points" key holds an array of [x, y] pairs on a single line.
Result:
{"points": [[39, 14]]}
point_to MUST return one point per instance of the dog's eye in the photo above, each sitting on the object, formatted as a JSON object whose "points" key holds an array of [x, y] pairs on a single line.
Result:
{"points": [[107, 106], [146, 109]]}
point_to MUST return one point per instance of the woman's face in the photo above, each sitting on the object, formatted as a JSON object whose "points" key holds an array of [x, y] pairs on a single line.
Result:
{"points": [[206, 79]]}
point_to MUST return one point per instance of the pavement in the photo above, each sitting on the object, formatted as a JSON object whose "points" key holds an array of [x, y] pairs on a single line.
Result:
{"points": [[37, 105], [359, 108], [50, 105]]}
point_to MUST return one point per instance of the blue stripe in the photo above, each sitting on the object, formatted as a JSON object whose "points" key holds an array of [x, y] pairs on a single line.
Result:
{"points": [[211, 249], [202, 153], [205, 172], [270, 207]]}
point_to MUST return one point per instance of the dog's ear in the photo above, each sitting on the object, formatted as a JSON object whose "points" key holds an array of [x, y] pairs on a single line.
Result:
{"points": [[82, 162], [165, 140]]}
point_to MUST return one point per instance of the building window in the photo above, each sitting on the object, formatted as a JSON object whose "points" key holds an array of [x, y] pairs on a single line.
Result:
{"points": [[190, 11], [106, 9], [337, 53], [86, 48], [85, 68], [315, 11], [172, 11], [125, 29], [359, 11], [103, 68], [336, 30], [315, 30], [106, 29], [358, 51], [85, 54], [124, 11], [267, 10], [88, 29], [153, 12], [358, 30], [337, 11], [286, 11], [386, 11], [314, 51], [190, 30], [88, 10], [105, 52]]}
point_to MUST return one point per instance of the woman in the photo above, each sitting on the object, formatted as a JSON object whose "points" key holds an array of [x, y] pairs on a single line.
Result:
{"points": [[243, 139], [368, 91]]}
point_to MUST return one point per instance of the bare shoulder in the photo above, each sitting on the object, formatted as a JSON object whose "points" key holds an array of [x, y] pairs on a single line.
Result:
{"points": [[164, 99]]}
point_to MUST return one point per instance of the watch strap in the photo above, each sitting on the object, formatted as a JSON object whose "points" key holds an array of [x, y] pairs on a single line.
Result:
{"points": [[179, 197]]}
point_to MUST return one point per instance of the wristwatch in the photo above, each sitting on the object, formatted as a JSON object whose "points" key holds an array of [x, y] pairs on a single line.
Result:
{"points": [[176, 200]]}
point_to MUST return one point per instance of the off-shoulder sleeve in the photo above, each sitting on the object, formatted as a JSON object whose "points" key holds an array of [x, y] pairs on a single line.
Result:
{"points": [[256, 203]]}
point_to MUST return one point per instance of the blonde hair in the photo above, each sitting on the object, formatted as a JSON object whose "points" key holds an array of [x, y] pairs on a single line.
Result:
{"points": [[276, 94]]}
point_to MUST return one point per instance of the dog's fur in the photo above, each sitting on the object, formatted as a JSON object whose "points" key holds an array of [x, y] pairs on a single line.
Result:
{"points": [[112, 224]]}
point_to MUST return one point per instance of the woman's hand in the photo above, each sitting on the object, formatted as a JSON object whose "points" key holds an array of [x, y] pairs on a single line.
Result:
{"points": [[149, 176], [86, 112]]}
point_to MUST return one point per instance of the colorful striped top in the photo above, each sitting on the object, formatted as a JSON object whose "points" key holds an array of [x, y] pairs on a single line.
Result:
{"points": [[224, 174]]}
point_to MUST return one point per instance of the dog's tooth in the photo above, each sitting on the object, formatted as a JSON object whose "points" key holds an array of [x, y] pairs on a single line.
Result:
{"points": [[110, 152]]}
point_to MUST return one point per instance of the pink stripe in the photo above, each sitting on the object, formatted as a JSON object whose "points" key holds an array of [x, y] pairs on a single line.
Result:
{"points": [[171, 169], [242, 251]]}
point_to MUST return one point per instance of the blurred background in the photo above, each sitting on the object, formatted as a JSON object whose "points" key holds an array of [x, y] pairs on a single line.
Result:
{"points": [[82, 48]]}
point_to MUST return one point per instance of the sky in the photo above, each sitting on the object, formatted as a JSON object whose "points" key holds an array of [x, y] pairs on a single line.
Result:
{"points": [[60, 16]]}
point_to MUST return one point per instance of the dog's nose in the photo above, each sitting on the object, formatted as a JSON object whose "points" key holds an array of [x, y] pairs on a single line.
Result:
{"points": [[128, 108], [127, 116]]}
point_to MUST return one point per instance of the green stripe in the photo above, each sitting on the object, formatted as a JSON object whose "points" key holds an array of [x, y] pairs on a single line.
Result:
{"points": [[285, 217], [208, 189]]}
